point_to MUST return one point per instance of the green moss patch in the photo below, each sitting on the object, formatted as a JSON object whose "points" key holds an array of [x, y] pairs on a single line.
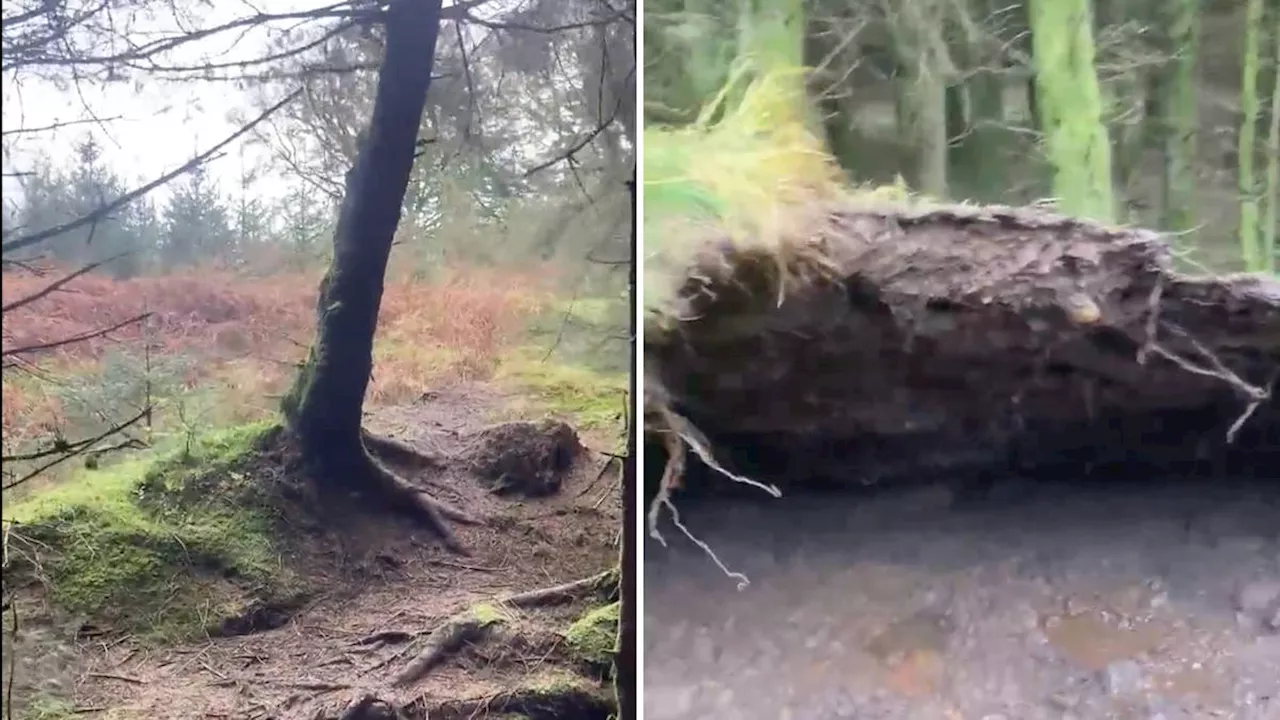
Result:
{"points": [[165, 548], [592, 637], [587, 399]]}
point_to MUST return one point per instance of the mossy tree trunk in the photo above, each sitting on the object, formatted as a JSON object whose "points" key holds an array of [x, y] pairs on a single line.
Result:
{"points": [[1250, 238], [1178, 104], [1271, 219], [324, 407], [1070, 107], [624, 662]]}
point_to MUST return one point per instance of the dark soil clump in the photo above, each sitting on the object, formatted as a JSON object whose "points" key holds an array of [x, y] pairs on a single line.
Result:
{"points": [[524, 458], [881, 344]]}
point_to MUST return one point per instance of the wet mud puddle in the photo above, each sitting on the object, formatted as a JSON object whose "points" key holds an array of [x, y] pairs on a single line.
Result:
{"points": [[1155, 602]]}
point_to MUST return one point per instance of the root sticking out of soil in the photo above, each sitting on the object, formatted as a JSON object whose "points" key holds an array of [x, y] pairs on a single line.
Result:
{"points": [[605, 583], [448, 639], [556, 700], [883, 345], [229, 581]]}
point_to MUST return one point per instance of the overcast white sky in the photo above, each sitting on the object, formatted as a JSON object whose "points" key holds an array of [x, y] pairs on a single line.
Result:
{"points": [[153, 126]]}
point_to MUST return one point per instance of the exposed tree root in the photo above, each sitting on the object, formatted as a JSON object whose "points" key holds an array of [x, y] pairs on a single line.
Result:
{"points": [[405, 496], [351, 466], [555, 703], [552, 703], [399, 451], [369, 707], [444, 642], [568, 592]]}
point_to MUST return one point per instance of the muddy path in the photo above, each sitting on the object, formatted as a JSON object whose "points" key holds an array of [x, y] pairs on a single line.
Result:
{"points": [[1054, 600]]}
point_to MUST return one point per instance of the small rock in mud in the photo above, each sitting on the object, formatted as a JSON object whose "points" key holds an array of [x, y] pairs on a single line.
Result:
{"points": [[1124, 678], [525, 458]]}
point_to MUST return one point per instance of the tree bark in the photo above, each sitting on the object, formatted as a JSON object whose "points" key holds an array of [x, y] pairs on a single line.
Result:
{"points": [[625, 660], [1271, 218], [324, 407], [922, 89], [1179, 107], [1250, 238], [1070, 106], [978, 167]]}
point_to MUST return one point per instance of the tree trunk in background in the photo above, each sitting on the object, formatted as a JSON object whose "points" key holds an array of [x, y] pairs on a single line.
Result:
{"points": [[977, 140], [323, 409], [625, 659], [922, 92], [832, 92], [1250, 240], [1070, 106], [1125, 103], [1179, 106], [1271, 221]]}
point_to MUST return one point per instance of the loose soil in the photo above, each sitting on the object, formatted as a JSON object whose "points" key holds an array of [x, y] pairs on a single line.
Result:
{"points": [[1126, 598], [386, 585]]}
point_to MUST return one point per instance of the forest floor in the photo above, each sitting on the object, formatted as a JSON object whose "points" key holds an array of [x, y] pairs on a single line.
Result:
{"points": [[364, 592], [200, 577], [1134, 598]]}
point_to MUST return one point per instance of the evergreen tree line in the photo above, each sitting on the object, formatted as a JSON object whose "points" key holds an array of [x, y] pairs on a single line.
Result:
{"points": [[197, 224], [1162, 113]]}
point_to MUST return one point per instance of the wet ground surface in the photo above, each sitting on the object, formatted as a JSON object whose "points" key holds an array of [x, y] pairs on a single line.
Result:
{"points": [[1046, 601]]}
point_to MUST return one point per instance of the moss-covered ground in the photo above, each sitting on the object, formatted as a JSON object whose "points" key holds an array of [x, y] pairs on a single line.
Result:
{"points": [[164, 547]]}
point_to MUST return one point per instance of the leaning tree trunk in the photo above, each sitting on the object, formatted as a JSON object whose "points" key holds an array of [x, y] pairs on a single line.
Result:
{"points": [[323, 409], [1070, 107], [1250, 245]]}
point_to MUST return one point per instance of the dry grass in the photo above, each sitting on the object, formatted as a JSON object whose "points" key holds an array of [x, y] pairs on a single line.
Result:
{"points": [[240, 337]]}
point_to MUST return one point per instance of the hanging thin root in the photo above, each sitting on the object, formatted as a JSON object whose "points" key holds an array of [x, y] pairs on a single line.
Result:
{"points": [[1253, 394], [698, 442], [399, 451], [680, 433]]}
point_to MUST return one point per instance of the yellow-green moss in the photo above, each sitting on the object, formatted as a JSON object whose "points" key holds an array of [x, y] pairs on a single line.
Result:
{"points": [[592, 637], [485, 614], [558, 683], [587, 399], [160, 547]]}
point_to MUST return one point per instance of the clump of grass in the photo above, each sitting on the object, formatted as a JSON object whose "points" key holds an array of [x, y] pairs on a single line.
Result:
{"points": [[160, 547]]}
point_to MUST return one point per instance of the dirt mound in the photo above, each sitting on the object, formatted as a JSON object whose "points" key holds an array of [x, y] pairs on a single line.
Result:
{"points": [[524, 458], [877, 342], [299, 604]]}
